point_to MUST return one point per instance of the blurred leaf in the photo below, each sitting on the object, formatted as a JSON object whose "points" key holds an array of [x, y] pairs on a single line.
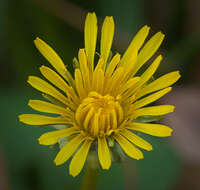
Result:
{"points": [[25, 20], [160, 168], [107, 178]]}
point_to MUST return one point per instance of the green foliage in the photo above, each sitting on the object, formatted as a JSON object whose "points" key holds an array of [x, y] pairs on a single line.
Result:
{"points": [[159, 168]]}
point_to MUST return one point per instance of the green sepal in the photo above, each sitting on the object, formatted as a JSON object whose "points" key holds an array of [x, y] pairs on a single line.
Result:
{"points": [[76, 63], [147, 119]]}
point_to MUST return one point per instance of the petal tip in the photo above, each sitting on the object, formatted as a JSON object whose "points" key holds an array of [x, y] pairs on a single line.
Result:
{"points": [[160, 57], [90, 15], [146, 27], [37, 41], [173, 108], [109, 19], [141, 157], [161, 33], [30, 103], [39, 140], [178, 74], [20, 117], [162, 36], [42, 67], [56, 162], [150, 148], [30, 78], [73, 173], [106, 167], [170, 132]]}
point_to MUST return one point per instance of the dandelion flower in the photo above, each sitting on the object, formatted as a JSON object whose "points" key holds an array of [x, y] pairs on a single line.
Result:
{"points": [[103, 100]]}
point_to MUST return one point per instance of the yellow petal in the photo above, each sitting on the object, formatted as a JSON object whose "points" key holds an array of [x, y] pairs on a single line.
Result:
{"points": [[113, 63], [90, 37], [100, 64], [54, 78], [53, 59], [137, 42], [79, 158], [107, 34], [149, 99], [149, 72], [135, 139], [154, 110], [54, 101], [148, 50], [129, 64], [128, 147], [36, 119], [47, 107], [116, 79], [49, 54], [98, 80], [104, 153], [45, 87], [129, 85], [157, 130], [130, 58], [162, 82], [51, 138], [120, 112], [66, 152], [85, 68], [79, 83]]}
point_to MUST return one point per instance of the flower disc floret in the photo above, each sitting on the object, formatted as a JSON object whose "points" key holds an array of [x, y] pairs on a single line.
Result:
{"points": [[99, 115]]}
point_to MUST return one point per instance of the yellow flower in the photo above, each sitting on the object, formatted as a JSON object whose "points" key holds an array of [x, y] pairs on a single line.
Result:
{"points": [[100, 103]]}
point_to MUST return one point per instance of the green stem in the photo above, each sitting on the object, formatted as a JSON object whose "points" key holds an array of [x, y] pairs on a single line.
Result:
{"points": [[90, 179]]}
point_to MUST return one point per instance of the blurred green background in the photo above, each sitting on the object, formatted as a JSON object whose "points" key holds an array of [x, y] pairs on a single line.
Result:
{"points": [[24, 164]]}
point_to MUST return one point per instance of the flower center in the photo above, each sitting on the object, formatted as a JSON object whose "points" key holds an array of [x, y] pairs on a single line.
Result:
{"points": [[99, 115]]}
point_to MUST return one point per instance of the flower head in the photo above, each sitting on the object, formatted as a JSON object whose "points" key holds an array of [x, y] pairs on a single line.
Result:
{"points": [[101, 103]]}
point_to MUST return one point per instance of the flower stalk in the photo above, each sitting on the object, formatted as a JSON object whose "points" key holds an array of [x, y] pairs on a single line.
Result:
{"points": [[90, 178]]}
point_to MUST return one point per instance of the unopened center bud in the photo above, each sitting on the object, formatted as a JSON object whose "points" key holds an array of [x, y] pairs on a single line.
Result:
{"points": [[98, 115]]}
